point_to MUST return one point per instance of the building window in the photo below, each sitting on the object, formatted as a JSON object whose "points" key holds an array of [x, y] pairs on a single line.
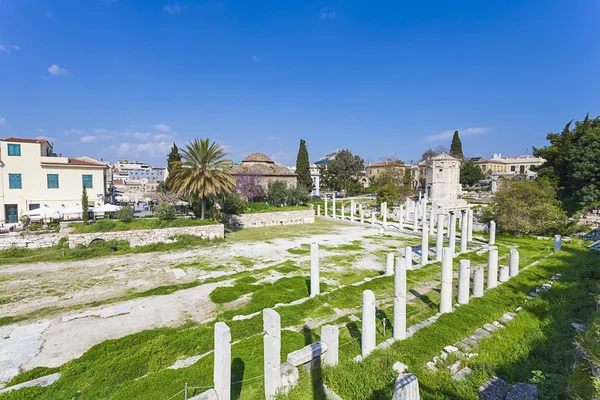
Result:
{"points": [[34, 206], [14, 181], [512, 168], [88, 181], [14, 149], [52, 181]]}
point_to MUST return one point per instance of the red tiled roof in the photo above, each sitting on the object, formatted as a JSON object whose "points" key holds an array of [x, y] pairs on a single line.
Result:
{"points": [[386, 164], [76, 161], [24, 140]]}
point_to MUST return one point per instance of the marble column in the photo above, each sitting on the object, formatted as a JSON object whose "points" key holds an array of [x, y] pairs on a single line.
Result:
{"points": [[314, 270], [325, 206], [406, 387], [415, 221], [401, 218], [334, 212], [362, 216], [503, 273], [464, 277], [446, 292], [368, 323], [373, 217], [343, 212], [389, 266], [463, 234], [492, 233], [318, 209], [400, 299], [557, 242], [272, 352], [222, 361], [352, 210], [408, 257], [424, 244], [452, 233], [492, 278], [330, 336], [478, 278], [439, 243], [513, 263], [470, 226], [384, 212]]}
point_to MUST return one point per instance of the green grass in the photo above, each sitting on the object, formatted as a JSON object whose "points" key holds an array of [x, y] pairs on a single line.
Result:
{"points": [[135, 366], [319, 227], [109, 225], [253, 208]]}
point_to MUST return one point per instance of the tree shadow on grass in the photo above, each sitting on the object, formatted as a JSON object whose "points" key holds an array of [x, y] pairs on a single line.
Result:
{"points": [[354, 332], [424, 298], [237, 375]]}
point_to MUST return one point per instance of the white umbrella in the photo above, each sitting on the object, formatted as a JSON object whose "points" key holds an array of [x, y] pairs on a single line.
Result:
{"points": [[42, 212], [106, 208], [72, 210]]}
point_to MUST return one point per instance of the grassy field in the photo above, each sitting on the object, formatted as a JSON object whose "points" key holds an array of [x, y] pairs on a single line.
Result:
{"points": [[112, 225], [135, 367], [252, 208]]}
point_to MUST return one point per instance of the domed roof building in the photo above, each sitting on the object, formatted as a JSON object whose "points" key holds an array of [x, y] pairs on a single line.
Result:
{"points": [[259, 168]]}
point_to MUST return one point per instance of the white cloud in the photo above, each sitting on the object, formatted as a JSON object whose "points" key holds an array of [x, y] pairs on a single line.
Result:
{"points": [[49, 15], [7, 48], [56, 70], [326, 13], [162, 136], [162, 127], [140, 135], [2, 121], [100, 130], [142, 150], [94, 138], [175, 8], [73, 132], [255, 59], [462, 133]]}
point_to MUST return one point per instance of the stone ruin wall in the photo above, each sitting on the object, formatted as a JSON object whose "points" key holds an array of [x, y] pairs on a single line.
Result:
{"points": [[278, 218]]}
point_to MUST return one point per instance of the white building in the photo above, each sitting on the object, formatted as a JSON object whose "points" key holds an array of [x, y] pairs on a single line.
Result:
{"points": [[136, 171], [32, 176]]}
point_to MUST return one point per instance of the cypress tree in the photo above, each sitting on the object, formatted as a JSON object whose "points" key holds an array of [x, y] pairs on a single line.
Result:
{"points": [[456, 146], [303, 167], [174, 156], [84, 204]]}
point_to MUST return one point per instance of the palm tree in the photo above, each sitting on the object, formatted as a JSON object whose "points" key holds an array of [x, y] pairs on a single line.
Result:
{"points": [[203, 172]]}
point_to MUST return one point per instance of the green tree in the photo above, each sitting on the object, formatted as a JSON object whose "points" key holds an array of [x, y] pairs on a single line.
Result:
{"points": [[125, 214], [303, 168], [84, 204], [429, 153], [346, 168], [165, 211], [456, 146], [390, 193], [203, 173], [174, 157], [572, 163], [277, 193], [528, 207], [470, 173]]}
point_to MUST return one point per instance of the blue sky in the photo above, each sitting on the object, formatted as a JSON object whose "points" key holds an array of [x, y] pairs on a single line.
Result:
{"points": [[124, 78]]}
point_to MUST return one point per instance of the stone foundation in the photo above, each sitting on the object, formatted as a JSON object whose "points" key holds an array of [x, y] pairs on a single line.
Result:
{"points": [[278, 218], [148, 236], [31, 241]]}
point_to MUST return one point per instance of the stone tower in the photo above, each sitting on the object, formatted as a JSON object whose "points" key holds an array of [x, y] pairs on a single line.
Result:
{"points": [[442, 181]]}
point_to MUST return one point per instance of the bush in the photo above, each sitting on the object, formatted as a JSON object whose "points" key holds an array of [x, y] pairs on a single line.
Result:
{"points": [[165, 211], [298, 196], [232, 204], [528, 207], [125, 214]]}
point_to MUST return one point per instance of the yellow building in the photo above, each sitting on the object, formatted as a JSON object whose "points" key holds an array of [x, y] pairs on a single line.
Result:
{"points": [[32, 176], [491, 166], [385, 166]]}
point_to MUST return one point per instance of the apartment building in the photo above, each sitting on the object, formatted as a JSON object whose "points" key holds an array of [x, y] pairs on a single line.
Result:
{"points": [[520, 165], [32, 176]]}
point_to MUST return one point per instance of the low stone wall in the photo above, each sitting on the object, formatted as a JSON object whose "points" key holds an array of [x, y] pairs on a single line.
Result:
{"points": [[149, 236], [277, 218], [32, 241]]}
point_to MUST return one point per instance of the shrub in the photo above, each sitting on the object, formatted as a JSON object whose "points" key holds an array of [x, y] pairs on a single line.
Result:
{"points": [[165, 211], [232, 204], [125, 214], [277, 194]]}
